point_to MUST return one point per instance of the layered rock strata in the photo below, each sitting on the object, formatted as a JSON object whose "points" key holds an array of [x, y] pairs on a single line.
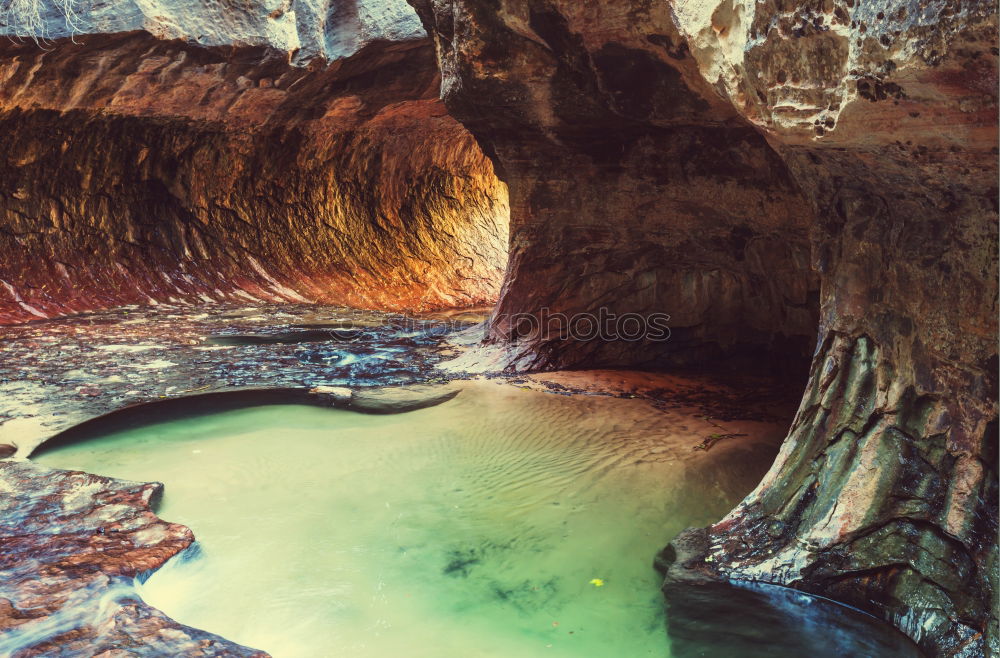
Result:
{"points": [[885, 493], [745, 167], [141, 170], [871, 128]]}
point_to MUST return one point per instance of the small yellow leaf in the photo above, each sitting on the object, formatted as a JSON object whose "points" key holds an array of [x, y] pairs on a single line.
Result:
{"points": [[597, 582]]}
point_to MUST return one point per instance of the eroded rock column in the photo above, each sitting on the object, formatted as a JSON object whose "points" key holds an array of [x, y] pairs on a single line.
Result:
{"points": [[885, 493]]}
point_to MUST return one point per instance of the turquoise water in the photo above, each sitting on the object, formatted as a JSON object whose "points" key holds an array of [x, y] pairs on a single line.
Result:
{"points": [[503, 523]]}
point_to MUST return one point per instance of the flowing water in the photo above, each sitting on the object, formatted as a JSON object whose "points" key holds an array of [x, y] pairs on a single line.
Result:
{"points": [[502, 523]]}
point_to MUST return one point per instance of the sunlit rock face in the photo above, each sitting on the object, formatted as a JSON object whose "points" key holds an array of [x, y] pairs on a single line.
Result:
{"points": [[137, 169], [881, 144]]}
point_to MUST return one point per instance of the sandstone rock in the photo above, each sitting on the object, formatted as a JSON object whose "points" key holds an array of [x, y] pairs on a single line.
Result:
{"points": [[337, 395], [883, 117], [887, 487], [752, 169], [156, 354], [138, 170], [634, 187], [303, 30], [70, 546], [400, 399]]}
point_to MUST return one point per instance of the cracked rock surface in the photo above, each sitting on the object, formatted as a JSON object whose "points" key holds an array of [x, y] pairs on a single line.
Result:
{"points": [[59, 373]]}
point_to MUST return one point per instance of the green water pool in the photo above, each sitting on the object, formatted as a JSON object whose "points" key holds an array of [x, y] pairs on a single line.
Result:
{"points": [[502, 523]]}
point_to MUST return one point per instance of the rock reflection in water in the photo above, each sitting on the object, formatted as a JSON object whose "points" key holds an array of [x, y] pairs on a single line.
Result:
{"points": [[753, 620]]}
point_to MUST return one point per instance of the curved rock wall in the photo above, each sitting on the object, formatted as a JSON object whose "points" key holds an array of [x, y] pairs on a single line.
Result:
{"points": [[138, 170], [748, 167], [634, 188], [885, 495], [880, 125]]}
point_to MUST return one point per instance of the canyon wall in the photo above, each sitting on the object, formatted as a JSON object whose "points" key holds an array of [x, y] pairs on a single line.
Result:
{"points": [[688, 157], [241, 164], [885, 493], [634, 189], [753, 169]]}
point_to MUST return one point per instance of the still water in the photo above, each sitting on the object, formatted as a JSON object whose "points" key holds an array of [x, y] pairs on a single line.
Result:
{"points": [[502, 523]]}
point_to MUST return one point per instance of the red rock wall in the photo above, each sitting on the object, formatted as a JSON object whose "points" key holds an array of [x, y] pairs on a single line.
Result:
{"points": [[135, 170]]}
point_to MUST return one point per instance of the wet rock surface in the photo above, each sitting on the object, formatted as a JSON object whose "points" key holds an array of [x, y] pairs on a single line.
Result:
{"points": [[71, 544], [704, 614], [399, 400], [58, 373]]}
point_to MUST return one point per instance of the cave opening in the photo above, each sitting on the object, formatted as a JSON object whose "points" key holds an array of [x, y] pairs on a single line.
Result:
{"points": [[344, 185]]}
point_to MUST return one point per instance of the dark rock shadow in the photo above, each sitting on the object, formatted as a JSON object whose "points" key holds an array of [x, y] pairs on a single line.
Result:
{"points": [[756, 620]]}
